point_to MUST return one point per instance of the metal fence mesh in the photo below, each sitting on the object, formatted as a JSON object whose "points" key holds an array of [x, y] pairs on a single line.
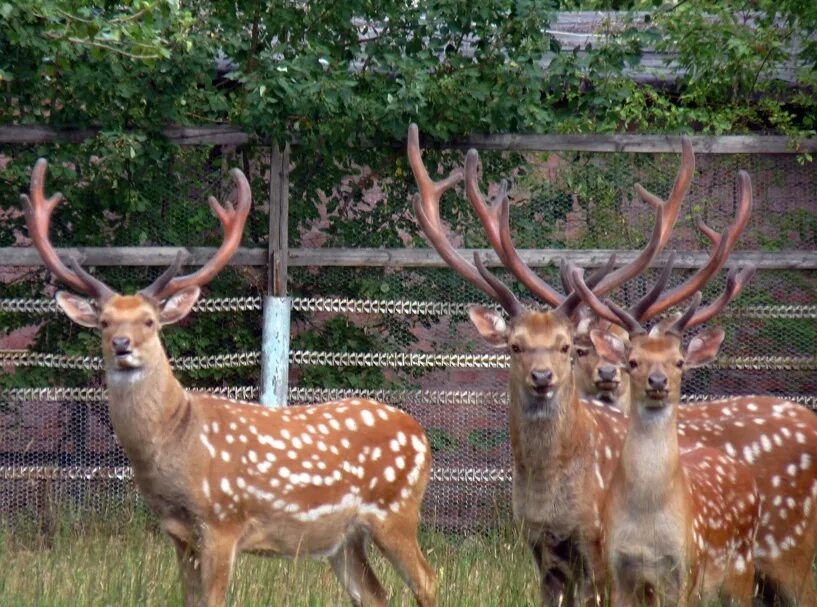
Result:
{"points": [[401, 335]]}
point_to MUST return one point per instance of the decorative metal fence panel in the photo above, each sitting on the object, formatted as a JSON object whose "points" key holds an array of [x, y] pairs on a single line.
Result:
{"points": [[399, 334]]}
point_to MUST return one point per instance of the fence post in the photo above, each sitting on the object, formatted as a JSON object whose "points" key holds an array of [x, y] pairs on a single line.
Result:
{"points": [[275, 337]]}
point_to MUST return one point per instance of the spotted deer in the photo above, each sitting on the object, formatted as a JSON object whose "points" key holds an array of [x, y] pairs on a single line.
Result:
{"points": [[678, 528], [565, 448], [558, 442], [224, 476]]}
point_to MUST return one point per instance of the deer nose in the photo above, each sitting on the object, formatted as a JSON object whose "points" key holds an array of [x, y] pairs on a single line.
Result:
{"points": [[607, 373], [120, 344], [657, 381], [541, 377]]}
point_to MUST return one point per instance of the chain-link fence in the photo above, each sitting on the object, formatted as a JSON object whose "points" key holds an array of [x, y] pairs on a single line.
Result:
{"points": [[399, 334]]}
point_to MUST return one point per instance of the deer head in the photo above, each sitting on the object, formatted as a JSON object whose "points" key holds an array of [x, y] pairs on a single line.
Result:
{"points": [[130, 324]]}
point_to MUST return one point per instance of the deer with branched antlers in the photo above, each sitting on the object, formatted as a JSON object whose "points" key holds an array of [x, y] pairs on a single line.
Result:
{"points": [[678, 528], [565, 448], [224, 476]]}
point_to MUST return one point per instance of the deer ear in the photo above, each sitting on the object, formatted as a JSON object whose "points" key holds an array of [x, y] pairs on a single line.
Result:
{"points": [[490, 325], [609, 346], [82, 311], [179, 305], [703, 348]]}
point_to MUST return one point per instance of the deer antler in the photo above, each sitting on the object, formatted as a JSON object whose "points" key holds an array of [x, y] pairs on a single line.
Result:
{"points": [[693, 317], [38, 210], [427, 209], [721, 247], [495, 218], [232, 219]]}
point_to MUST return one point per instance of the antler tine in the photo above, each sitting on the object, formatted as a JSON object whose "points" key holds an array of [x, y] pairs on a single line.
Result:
{"points": [[677, 328], [637, 265], [507, 299], [514, 263], [679, 191], [607, 310], [638, 309], [488, 214], [232, 218], [38, 210], [572, 301], [160, 283], [735, 282], [495, 219], [720, 249], [427, 209]]}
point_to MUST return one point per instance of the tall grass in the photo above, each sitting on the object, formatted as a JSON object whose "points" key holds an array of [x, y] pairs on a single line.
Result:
{"points": [[122, 559]]}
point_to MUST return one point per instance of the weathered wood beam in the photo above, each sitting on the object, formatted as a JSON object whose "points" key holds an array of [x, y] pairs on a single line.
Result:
{"points": [[642, 144], [209, 135], [392, 258]]}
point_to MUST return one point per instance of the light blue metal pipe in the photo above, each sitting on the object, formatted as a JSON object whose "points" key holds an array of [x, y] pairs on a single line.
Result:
{"points": [[275, 351]]}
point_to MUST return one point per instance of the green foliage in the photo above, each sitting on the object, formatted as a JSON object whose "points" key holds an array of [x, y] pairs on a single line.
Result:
{"points": [[300, 69]]}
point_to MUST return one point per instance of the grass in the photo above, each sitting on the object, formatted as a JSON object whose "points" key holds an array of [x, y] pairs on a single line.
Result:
{"points": [[125, 560]]}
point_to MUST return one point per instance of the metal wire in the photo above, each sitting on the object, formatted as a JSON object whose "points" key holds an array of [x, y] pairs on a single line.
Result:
{"points": [[369, 306]]}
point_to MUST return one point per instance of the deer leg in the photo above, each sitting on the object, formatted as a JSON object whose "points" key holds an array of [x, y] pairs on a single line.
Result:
{"points": [[559, 572], [189, 571], [352, 567], [397, 540], [217, 559]]}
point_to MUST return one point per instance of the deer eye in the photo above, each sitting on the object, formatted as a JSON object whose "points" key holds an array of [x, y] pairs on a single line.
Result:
{"points": [[149, 322], [515, 348], [565, 349], [581, 352], [633, 364], [104, 324], [679, 364]]}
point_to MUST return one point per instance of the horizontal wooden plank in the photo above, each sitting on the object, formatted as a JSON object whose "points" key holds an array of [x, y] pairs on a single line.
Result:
{"points": [[641, 144], [395, 258], [199, 135]]}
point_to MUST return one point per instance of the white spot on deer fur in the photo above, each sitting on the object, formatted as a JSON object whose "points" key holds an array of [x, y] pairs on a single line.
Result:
{"points": [[388, 473], [376, 454], [225, 486], [367, 417], [382, 414], [283, 472], [765, 443], [252, 455], [751, 407], [229, 438], [345, 443], [418, 444], [240, 482], [263, 467], [225, 456], [207, 444], [373, 482], [214, 427], [400, 462], [800, 438], [351, 424], [336, 424], [791, 469], [730, 449], [286, 434], [291, 454], [748, 455], [740, 564], [205, 488], [334, 450], [786, 432], [394, 445], [323, 429], [321, 445], [805, 461]]}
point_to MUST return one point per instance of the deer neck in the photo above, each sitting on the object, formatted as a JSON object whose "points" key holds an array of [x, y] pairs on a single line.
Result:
{"points": [[142, 405], [650, 473], [539, 440]]}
